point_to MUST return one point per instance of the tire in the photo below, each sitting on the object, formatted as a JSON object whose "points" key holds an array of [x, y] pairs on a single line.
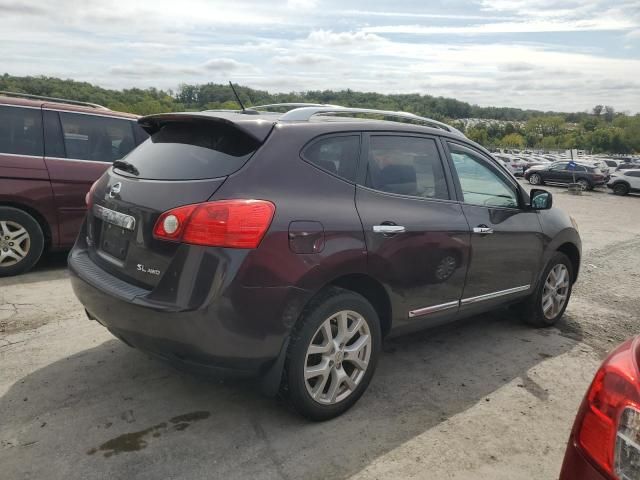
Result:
{"points": [[325, 403], [21, 241], [532, 311], [584, 184], [621, 189], [535, 179]]}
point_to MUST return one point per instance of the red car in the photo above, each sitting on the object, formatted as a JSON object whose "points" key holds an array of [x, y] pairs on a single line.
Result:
{"points": [[605, 440], [51, 151]]}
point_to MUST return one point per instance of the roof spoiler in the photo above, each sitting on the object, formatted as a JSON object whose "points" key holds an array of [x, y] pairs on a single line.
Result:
{"points": [[258, 130]]}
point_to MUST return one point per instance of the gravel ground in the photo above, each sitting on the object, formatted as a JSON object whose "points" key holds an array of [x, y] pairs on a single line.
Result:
{"points": [[483, 398]]}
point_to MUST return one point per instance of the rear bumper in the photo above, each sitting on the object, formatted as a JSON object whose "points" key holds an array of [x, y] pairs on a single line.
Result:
{"points": [[237, 330]]}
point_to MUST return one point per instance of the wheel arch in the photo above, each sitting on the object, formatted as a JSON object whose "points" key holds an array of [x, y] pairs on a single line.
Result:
{"points": [[39, 217], [571, 251]]}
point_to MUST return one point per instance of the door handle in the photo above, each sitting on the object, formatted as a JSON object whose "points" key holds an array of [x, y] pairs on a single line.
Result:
{"points": [[389, 229], [483, 230]]}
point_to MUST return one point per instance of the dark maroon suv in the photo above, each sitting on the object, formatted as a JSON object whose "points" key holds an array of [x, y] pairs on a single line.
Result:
{"points": [[287, 245], [51, 151]]}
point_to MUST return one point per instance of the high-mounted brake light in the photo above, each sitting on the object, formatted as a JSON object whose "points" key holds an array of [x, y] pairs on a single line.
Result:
{"points": [[222, 223], [608, 425]]}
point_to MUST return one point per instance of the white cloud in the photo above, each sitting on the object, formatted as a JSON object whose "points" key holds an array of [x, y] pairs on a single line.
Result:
{"points": [[304, 59], [327, 37], [225, 64]]}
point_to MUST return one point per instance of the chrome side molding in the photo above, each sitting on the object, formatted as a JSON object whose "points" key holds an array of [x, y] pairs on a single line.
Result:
{"points": [[491, 296], [466, 301]]}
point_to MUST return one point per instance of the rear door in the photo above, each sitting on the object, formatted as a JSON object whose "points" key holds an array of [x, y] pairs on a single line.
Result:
{"points": [[506, 239], [416, 234], [79, 148]]}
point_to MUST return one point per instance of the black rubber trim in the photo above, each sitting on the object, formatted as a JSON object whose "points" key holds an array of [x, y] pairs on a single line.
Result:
{"points": [[91, 273]]}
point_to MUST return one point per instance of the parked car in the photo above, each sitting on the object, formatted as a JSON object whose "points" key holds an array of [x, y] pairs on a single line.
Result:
{"points": [[513, 164], [605, 440], [288, 248], [623, 183], [627, 166], [51, 151], [588, 176]]}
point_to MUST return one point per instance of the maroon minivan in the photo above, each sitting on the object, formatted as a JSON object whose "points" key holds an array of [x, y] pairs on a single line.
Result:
{"points": [[51, 151]]}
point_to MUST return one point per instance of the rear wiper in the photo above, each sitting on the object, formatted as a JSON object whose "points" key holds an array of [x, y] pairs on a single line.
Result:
{"points": [[126, 167]]}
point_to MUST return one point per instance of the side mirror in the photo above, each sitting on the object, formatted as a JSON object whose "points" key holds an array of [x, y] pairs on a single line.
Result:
{"points": [[541, 199]]}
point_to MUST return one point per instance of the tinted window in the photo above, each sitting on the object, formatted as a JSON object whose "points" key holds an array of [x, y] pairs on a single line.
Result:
{"points": [[481, 184], [337, 155], [192, 150], [406, 165], [633, 174], [90, 137], [559, 166], [21, 131]]}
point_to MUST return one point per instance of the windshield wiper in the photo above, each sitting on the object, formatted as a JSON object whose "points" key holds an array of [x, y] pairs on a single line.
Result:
{"points": [[126, 167]]}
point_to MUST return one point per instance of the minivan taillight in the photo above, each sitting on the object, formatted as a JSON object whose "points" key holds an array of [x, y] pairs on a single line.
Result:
{"points": [[608, 425], [222, 223]]}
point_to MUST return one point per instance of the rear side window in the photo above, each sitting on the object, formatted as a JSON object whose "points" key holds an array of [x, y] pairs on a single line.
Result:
{"points": [[91, 137], [192, 151], [21, 131], [407, 166], [337, 155]]}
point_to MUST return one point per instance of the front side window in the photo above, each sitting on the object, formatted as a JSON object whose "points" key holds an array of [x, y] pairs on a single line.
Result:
{"points": [[90, 137], [481, 184], [407, 166], [21, 131], [557, 167], [336, 155]]}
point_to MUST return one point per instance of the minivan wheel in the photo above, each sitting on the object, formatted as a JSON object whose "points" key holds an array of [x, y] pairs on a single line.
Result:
{"points": [[332, 354], [621, 189], [21, 241], [535, 179], [545, 307]]}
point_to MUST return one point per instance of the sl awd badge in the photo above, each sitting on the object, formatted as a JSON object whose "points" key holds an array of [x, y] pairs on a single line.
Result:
{"points": [[149, 271]]}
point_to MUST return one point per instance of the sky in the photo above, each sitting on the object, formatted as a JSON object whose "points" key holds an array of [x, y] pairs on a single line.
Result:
{"points": [[564, 55]]}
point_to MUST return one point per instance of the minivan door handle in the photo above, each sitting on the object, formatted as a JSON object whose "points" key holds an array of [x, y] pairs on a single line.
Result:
{"points": [[482, 230], [389, 229]]}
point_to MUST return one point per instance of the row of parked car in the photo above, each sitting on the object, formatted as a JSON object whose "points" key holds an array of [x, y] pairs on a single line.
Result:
{"points": [[621, 175]]}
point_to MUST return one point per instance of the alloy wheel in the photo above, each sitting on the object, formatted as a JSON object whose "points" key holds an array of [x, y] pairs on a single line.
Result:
{"points": [[15, 243], [337, 357], [556, 291], [534, 179]]}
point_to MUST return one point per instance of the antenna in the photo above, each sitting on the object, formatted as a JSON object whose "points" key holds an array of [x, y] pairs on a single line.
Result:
{"points": [[237, 96]]}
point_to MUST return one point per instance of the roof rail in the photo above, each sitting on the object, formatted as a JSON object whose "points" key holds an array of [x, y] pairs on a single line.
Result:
{"points": [[291, 105], [52, 99], [306, 112]]}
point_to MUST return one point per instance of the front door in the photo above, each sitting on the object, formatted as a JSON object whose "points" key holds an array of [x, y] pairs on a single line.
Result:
{"points": [[506, 238], [558, 173], [417, 236]]}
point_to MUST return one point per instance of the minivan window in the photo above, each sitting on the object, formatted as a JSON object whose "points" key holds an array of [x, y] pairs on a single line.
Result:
{"points": [[92, 137], [337, 155], [406, 165], [192, 150], [21, 131], [480, 184]]}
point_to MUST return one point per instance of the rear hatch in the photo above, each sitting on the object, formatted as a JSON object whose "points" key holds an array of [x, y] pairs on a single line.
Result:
{"points": [[185, 160]]}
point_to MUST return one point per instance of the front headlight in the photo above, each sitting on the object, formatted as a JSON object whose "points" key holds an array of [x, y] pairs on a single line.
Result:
{"points": [[574, 223]]}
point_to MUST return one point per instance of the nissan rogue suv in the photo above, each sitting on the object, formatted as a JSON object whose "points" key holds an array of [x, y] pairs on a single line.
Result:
{"points": [[51, 151], [287, 245]]}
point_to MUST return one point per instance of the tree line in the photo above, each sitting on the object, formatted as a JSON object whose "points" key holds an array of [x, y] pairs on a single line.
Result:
{"points": [[601, 130]]}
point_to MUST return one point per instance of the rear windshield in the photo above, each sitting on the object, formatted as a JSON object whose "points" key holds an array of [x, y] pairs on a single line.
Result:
{"points": [[192, 151]]}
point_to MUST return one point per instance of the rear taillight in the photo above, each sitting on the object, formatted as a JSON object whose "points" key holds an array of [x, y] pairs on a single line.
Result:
{"points": [[88, 198], [608, 425], [223, 223]]}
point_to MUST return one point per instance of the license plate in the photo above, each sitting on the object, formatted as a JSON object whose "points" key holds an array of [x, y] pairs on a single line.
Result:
{"points": [[114, 241]]}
